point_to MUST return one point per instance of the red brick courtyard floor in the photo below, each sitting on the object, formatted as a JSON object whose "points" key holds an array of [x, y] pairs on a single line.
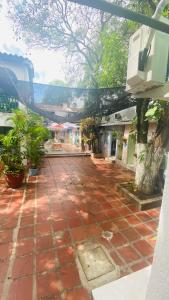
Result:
{"points": [[72, 201]]}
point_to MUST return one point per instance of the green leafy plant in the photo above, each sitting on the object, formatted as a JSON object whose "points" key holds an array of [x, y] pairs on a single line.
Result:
{"points": [[142, 156], [88, 129], [36, 134], [11, 154]]}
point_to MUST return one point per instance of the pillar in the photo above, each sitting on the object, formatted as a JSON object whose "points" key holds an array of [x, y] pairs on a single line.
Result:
{"points": [[158, 288]]}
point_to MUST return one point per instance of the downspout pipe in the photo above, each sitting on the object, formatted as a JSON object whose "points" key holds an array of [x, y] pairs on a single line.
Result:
{"points": [[144, 54]]}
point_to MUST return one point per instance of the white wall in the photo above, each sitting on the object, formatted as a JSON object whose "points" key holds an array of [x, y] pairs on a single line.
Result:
{"points": [[19, 69], [4, 122]]}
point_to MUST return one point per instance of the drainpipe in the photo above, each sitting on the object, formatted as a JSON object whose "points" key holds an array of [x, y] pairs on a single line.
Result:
{"points": [[144, 54]]}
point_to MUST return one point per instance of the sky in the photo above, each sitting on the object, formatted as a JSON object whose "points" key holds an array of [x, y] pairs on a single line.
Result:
{"points": [[48, 65]]}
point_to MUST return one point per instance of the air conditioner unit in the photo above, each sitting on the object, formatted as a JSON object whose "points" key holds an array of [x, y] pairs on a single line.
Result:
{"points": [[155, 70]]}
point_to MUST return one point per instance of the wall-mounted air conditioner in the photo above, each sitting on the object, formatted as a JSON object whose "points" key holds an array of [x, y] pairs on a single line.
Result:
{"points": [[142, 77]]}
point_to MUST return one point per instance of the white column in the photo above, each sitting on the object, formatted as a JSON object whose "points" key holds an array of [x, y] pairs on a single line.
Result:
{"points": [[158, 288]]}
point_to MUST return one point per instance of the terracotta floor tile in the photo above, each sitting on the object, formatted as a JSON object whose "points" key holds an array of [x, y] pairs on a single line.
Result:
{"points": [[26, 232], [10, 223], [87, 218], [153, 225], [143, 215], [69, 276], [59, 225], [5, 250], [93, 230], [109, 226], [138, 266], [23, 266], [131, 234], [66, 255], [43, 229], [5, 236], [133, 220], [143, 229], [133, 208], [44, 242], [3, 270], [62, 238], [77, 294], [112, 213], [46, 261], [24, 247], [154, 213], [124, 211], [122, 224], [128, 254], [150, 260], [79, 234], [118, 240], [21, 289], [101, 217], [143, 247], [48, 285], [75, 204], [116, 258], [152, 240], [74, 222], [27, 221]]}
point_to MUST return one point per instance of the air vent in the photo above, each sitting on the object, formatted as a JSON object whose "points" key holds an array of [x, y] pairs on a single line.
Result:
{"points": [[118, 116]]}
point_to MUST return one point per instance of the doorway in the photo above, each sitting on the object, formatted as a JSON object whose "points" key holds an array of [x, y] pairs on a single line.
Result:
{"points": [[113, 146]]}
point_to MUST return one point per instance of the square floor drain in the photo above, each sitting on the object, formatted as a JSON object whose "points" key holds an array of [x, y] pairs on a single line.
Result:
{"points": [[95, 263], [97, 266]]}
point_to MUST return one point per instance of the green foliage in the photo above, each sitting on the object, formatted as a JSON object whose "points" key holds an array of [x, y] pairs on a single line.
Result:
{"points": [[35, 135], [117, 134], [7, 104], [156, 110], [142, 157], [111, 70], [23, 141], [88, 129], [11, 154]]}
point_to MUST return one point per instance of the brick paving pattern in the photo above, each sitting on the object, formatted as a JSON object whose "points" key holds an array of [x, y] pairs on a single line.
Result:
{"points": [[72, 201]]}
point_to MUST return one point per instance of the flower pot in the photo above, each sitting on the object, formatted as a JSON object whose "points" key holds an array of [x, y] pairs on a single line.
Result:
{"points": [[33, 172], [14, 181]]}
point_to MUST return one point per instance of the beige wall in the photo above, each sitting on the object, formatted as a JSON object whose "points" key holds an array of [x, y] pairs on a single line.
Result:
{"points": [[126, 135]]}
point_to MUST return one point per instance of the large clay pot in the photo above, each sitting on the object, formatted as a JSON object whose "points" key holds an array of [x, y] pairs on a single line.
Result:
{"points": [[14, 181]]}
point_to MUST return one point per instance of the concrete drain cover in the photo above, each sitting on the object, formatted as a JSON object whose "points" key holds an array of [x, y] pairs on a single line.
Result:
{"points": [[97, 266], [95, 263]]}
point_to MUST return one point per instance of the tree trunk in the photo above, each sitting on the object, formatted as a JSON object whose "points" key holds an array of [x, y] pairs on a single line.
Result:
{"points": [[147, 175], [150, 155], [142, 132]]}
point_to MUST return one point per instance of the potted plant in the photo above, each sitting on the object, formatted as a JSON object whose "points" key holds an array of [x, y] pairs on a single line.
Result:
{"points": [[34, 156], [35, 137], [12, 156]]}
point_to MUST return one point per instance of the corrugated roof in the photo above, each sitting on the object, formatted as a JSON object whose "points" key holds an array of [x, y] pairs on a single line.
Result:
{"points": [[17, 58]]}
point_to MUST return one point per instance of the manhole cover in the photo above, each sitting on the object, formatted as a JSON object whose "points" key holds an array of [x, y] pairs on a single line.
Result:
{"points": [[95, 263]]}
